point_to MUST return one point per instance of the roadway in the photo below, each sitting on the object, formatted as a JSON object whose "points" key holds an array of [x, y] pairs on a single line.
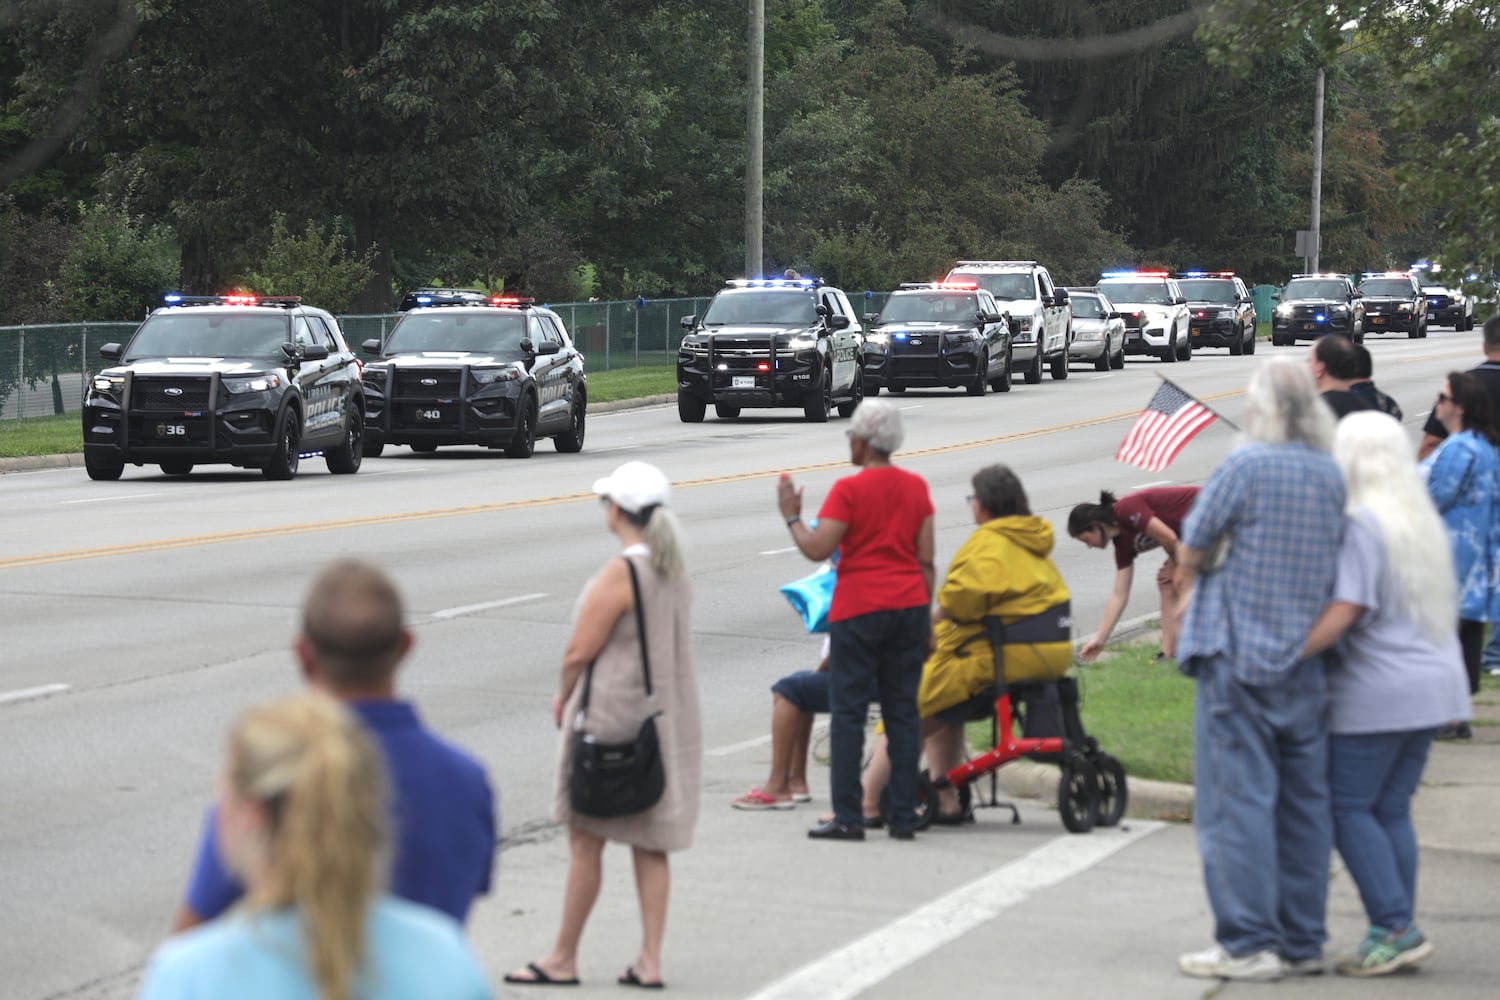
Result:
{"points": [[142, 615]]}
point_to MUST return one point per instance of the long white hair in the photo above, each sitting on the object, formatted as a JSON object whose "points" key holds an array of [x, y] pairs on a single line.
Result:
{"points": [[1282, 406], [1381, 477]]}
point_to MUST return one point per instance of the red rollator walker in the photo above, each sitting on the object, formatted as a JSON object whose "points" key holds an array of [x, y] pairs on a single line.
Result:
{"points": [[1091, 789]]}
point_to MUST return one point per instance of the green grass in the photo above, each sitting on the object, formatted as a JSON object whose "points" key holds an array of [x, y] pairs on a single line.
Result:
{"points": [[56, 435], [632, 383], [1140, 711], [1262, 331]]}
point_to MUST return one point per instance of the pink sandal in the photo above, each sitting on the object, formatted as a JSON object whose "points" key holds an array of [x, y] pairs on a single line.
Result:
{"points": [[756, 800]]}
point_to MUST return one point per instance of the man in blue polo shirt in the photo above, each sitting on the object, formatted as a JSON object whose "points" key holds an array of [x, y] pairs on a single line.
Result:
{"points": [[443, 812]]}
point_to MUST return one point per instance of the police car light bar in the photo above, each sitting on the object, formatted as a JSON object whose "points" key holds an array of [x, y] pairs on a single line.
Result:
{"points": [[1205, 274], [774, 282], [231, 299], [518, 301], [1135, 274], [911, 286], [960, 286]]}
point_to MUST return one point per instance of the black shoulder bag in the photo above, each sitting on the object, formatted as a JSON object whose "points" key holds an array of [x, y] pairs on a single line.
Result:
{"points": [[618, 779]]}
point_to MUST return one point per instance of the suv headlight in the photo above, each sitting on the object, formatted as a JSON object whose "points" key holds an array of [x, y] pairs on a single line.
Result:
{"points": [[491, 376], [1282, 311], [1025, 323], [1338, 309], [108, 383], [801, 342], [252, 383], [878, 337], [1224, 314]]}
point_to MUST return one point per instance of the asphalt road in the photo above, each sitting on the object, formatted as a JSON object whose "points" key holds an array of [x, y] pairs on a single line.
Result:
{"points": [[151, 610]]}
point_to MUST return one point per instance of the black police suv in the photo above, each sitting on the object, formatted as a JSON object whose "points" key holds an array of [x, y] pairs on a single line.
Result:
{"points": [[235, 379], [464, 367], [1394, 301], [1449, 307], [1221, 311], [947, 335], [1314, 304], [768, 342]]}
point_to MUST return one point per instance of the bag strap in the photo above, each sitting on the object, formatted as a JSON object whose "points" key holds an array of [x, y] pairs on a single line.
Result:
{"points": [[640, 628]]}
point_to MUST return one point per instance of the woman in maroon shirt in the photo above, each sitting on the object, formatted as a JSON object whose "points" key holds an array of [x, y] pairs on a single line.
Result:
{"points": [[1137, 522], [880, 521]]}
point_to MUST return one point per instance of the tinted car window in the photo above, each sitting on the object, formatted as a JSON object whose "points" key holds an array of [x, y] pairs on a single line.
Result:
{"points": [[1314, 288], [929, 308], [1007, 287], [443, 330], [1209, 290], [789, 307], [199, 335], [1387, 286], [1154, 292]]}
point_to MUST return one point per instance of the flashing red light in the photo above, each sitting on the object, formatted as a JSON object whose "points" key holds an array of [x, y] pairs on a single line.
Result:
{"points": [[764, 366], [239, 299], [1202, 313], [509, 300], [962, 286], [1152, 274]]}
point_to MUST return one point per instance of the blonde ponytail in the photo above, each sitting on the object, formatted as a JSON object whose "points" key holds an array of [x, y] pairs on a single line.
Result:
{"points": [[663, 537], [319, 779]]}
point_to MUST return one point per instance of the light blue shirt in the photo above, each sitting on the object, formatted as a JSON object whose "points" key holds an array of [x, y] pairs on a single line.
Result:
{"points": [[1389, 675], [1463, 477], [410, 951]]}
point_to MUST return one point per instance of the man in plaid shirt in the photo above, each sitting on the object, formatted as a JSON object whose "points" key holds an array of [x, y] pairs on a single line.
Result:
{"points": [[1269, 520]]}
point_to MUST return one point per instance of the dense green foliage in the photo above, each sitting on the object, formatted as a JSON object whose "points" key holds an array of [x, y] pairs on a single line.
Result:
{"points": [[567, 149]]}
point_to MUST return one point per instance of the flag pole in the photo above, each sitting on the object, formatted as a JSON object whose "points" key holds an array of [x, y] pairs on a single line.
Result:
{"points": [[1229, 423]]}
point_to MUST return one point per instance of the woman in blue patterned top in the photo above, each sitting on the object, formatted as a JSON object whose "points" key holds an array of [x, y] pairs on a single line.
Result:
{"points": [[1463, 477]]}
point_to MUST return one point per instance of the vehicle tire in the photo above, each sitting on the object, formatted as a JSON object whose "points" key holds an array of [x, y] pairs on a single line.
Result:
{"points": [[523, 444], [286, 457], [101, 470], [690, 409], [178, 468], [1059, 366], [1250, 344], [981, 383], [570, 442], [926, 803], [1114, 795], [895, 390], [423, 447], [1102, 363], [1469, 322], [726, 411], [848, 406], [1002, 384], [1078, 794], [1034, 370], [345, 460], [373, 445], [1117, 360], [1237, 345], [871, 389], [1185, 350], [815, 407], [1170, 354]]}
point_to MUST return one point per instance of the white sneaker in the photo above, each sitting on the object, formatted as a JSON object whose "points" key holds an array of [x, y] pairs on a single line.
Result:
{"points": [[1216, 963]]}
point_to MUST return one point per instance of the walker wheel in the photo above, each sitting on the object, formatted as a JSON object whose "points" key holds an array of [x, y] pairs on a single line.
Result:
{"points": [[1078, 794], [1114, 796]]}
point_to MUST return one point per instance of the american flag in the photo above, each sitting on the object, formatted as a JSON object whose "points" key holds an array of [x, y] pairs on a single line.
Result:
{"points": [[1167, 424]]}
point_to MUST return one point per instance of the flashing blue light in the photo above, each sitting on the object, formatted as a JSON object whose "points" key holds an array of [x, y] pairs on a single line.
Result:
{"points": [[898, 336], [1321, 318], [171, 298], [1195, 274], [423, 300], [1118, 274]]}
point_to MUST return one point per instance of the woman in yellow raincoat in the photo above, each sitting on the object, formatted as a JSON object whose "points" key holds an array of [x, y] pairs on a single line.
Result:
{"points": [[1004, 569]]}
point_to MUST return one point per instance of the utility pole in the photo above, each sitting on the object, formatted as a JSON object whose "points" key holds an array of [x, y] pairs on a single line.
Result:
{"points": [[755, 127], [1317, 171]]}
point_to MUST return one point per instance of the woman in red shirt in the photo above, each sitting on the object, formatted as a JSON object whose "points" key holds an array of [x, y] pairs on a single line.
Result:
{"points": [[880, 521], [1146, 519]]}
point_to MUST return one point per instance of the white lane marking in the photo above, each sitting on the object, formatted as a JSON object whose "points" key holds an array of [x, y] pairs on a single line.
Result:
{"points": [[1095, 378], [914, 406], [26, 694], [779, 552], [873, 958], [469, 609], [119, 496], [1147, 486]]}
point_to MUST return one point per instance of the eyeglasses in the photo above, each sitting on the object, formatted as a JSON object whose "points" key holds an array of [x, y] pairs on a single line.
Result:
{"points": [[1443, 397]]}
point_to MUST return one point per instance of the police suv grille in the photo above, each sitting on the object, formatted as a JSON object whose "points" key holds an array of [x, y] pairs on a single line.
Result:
{"points": [[1438, 301], [915, 367], [152, 393], [444, 382]]}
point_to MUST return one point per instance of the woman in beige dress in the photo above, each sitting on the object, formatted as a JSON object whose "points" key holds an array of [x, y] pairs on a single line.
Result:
{"points": [[635, 498]]}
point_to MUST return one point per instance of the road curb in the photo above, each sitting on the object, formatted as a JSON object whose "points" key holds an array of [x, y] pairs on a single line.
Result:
{"points": [[1164, 800], [640, 403], [32, 463]]}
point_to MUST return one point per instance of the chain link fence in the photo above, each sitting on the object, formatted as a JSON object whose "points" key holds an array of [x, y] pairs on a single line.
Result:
{"points": [[44, 368]]}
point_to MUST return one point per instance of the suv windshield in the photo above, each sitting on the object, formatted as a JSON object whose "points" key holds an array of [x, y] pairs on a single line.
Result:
{"points": [[1148, 292], [496, 332], [1314, 288], [777, 307], [1394, 287], [219, 334], [1007, 287], [1217, 290], [1087, 306], [929, 307]]}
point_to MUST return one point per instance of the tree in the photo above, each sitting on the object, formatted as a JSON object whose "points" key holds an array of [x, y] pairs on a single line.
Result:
{"points": [[318, 265]]}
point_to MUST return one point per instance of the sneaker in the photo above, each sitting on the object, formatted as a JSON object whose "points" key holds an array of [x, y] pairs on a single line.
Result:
{"points": [[757, 800], [1454, 731], [1216, 963], [1391, 953]]}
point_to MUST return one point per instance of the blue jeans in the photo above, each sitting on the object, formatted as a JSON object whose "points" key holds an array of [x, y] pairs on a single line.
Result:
{"points": [[1373, 777], [880, 653], [1490, 658], [1264, 825]]}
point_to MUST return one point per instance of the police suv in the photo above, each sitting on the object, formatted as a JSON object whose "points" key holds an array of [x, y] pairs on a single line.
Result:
{"points": [[241, 380], [1041, 320], [1394, 300], [1221, 311], [1155, 312], [1314, 304], [947, 334], [465, 367], [768, 342]]}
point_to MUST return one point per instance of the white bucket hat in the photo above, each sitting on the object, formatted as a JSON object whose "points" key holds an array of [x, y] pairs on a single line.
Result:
{"points": [[635, 486]]}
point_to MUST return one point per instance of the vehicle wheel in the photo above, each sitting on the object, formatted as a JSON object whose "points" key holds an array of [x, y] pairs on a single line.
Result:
{"points": [[523, 445], [1469, 322], [926, 803], [286, 458], [1034, 370], [816, 406], [981, 383], [848, 406], [1078, 795], [1250, 344], [423, 448], [1170, 354], [1185, 350], [871, 389], [102, 470], [690, 409], [374, 444], [1114, 795], [1102, 363], [1059, 366], [1237, 345], [1117, 360], [895, 390], [1002, 384], [345, 460], [178, 468], [570, 442]]}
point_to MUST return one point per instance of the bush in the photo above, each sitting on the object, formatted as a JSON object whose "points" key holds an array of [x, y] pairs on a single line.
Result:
{"points": [[118, 267], [321, 268]]}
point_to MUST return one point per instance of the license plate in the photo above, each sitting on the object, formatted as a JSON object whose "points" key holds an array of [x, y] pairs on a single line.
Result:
{"points": [[429, 415], [171, 430], [1377, 320], [1133, 335], [1309, 326], [742, 382], [1432, 315]]}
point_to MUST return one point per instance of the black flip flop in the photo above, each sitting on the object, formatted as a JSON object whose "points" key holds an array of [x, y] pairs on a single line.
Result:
{"points": [[629, 978], [540, 978]]}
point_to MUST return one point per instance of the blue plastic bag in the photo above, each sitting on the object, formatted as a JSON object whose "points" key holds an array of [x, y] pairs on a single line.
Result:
{"points": [[812, 596]]}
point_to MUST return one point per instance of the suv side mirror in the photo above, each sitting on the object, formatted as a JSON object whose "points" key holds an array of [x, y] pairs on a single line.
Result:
{"points": [[822, 309], [870, 318], [838, 323], [1060, 295], [688, 322], [313, 352], [1116, 315], [1179, 301], [372, 345], [527, 347], [111, 352], [549, 347], [1275, 295]]}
